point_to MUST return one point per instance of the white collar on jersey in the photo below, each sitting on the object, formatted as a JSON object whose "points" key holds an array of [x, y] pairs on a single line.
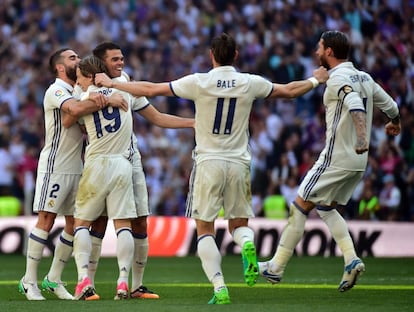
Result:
{"points": [[64, 84]]}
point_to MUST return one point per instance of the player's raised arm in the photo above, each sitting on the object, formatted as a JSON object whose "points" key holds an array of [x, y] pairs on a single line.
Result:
{"points": [[166, 120], [297, 88], [136, 88]]}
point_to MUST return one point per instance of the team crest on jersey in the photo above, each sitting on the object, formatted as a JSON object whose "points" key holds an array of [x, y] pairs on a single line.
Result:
{"points": [[59, 93]]}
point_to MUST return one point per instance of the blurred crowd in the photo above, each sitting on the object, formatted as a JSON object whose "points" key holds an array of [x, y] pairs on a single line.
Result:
{"points": [[166, 39]]}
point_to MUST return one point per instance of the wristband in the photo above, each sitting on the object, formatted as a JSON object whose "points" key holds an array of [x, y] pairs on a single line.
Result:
{"points": [[85, 96], [314, 81]]}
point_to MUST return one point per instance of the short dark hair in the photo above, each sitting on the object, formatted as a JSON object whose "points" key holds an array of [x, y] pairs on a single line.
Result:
{"points": [[91, 65], [100, 49], [55, 58], [224, 49], [338, 42]]}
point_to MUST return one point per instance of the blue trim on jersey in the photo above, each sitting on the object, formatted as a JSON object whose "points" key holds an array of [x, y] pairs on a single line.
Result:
{"points": [[57, 130], [357, 110], [138, 110], [271, 91], [171, 88], [43, 192], [189, 201], [328, 156], [131, 150]]}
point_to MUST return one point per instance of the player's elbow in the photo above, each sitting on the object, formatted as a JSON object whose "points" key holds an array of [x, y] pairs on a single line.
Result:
{"points": [[68, 121]]}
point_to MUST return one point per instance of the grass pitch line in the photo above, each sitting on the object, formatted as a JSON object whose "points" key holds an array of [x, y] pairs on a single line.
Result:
{"points": [[292, 286], [243, 285]]}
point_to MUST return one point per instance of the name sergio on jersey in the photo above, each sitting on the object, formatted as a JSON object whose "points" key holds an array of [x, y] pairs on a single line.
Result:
{"points": [[360, 78], [225, 84]]}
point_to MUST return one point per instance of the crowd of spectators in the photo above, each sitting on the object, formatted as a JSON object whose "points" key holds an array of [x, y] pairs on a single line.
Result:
{"points": [[165, 39]]}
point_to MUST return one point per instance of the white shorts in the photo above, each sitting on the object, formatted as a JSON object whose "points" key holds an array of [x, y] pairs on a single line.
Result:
{"points": [[218, 183], [140, 187], [56, 193], [106, 182], [323, 186]]}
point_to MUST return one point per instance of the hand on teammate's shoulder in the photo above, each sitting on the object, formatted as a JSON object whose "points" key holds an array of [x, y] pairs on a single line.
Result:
{"points": [[321, 74]]}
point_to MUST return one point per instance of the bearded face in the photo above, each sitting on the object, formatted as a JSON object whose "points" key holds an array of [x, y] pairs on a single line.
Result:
{"points": [[71, 72], [323, 62]]}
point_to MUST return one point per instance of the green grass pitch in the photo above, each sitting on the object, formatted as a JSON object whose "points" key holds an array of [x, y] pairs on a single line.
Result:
{"points": [[309, 284]]}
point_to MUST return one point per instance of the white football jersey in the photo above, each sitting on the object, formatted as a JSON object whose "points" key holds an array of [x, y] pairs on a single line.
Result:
{"points": [[223, 100], [137, 103], [349, 89], [63, 147], [109, 129]]}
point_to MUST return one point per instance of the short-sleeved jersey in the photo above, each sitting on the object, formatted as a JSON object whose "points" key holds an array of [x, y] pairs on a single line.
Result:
{"points": [[223, 100], [137, 103], [349, 89], [109, 129], [63, 147]]}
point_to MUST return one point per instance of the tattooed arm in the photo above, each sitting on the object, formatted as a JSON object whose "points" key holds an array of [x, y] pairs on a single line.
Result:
{"points": [[360, 123]]}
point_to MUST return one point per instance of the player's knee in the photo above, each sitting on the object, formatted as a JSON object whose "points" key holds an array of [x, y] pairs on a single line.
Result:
{"points": [[45, 221]]}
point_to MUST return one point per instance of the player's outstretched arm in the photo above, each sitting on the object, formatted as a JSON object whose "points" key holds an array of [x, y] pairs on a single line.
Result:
{"points": [[297, 88], [136, 88], [165, 120]]}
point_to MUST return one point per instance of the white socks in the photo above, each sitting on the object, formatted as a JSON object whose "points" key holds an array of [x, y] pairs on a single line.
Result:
{"points": [[94, 256], [290, 237], [35, 245], [243, 234], [211, 260], [124, 252], [82, 247], [340, 233], [63, 252], [140, 260]]}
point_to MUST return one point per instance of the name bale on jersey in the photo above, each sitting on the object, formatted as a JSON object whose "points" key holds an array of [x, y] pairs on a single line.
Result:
{"points": [[224, 84]]}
